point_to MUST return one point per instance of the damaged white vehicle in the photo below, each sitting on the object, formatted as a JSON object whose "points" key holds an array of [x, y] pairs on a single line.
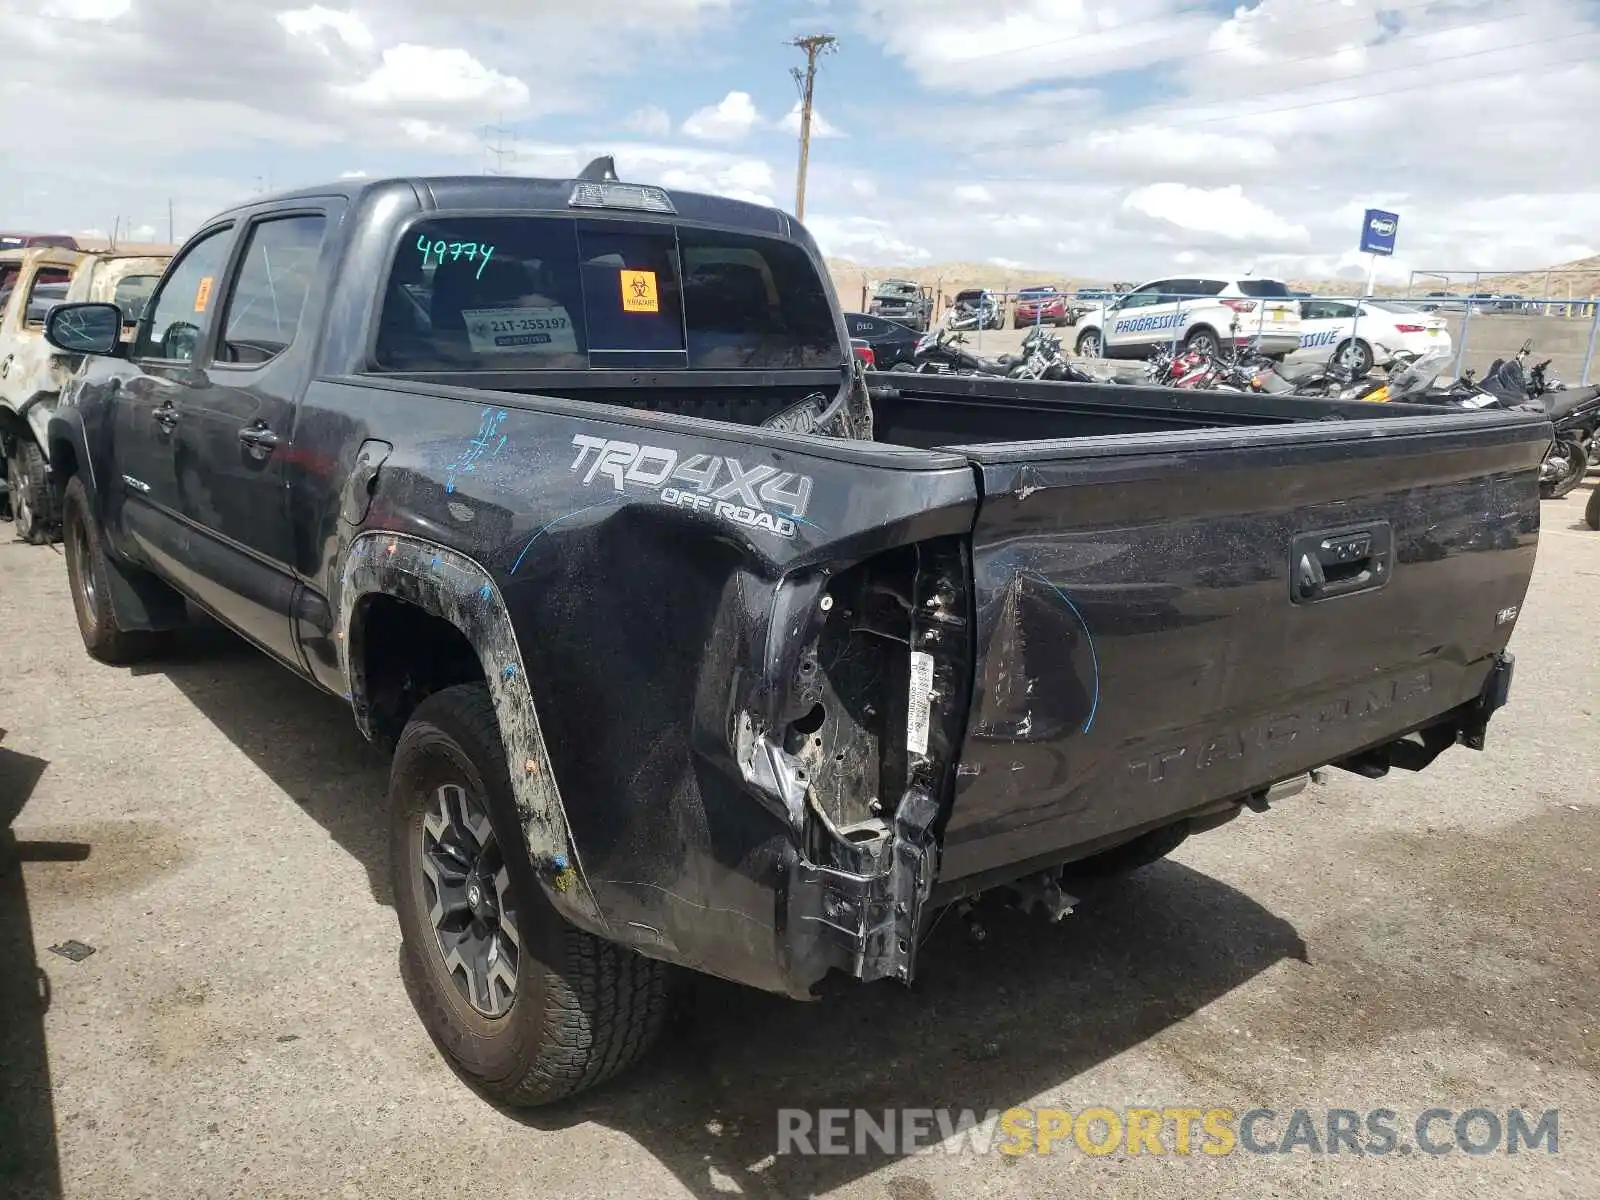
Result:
{"points": [[32, 282]]}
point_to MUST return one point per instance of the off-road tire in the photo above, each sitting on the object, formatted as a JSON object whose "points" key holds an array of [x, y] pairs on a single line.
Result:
{"points": [[89, 581], [583, 1009], [34, 508]]}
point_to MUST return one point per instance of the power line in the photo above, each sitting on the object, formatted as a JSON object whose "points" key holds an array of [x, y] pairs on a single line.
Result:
{"points": [[1423, 86], [1166, 20]]}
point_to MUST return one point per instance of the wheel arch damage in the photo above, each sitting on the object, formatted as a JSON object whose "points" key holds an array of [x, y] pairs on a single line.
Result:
{"points": [[458, 590]]}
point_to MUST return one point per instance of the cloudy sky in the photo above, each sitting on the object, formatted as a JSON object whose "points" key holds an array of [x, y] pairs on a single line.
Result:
{"points": [[1117, 138]]}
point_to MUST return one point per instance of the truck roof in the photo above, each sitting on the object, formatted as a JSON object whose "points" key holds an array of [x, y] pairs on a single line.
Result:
{"points": [[537, 194]]}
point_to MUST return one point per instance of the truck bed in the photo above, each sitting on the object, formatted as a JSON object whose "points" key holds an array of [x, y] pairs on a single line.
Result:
{"points": [[1163, 604]]}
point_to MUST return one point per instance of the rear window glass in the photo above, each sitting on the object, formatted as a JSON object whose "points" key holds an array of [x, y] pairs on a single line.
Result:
{"points": [[1262, 287], [133, 293], [557, 293]]}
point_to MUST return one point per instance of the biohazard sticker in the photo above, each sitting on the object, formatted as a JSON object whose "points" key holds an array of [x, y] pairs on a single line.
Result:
{"points": [[202, 294], [639, 292]]}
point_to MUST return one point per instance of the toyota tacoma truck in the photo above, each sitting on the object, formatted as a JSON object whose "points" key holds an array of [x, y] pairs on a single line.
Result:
{"points": [[700, 648]]}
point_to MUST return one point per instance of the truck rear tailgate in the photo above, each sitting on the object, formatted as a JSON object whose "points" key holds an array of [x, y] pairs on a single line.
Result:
{"points": [[1170, 619]]}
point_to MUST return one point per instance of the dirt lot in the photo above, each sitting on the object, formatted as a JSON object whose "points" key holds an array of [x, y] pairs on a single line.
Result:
{"points": [[211, 826]]}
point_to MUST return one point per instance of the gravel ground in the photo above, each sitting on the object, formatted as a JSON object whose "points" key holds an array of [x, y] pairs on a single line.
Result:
{"points": [[211, 826]]}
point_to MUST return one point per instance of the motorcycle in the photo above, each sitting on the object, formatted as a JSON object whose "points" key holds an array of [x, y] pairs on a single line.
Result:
{"points": [[1574, 413], [942, 351]]}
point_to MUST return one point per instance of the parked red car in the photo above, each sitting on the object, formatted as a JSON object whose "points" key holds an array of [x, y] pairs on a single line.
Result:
{"points": [[1042, 305]]}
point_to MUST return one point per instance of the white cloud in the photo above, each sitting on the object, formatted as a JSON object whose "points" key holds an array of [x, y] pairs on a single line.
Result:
{"points": [[730, 119], [862, 239], [356, 174], [86, 10], [320, 26], [991, 47], [649, 121], [426, 77], [1225, 212], [972, 193], [820, 128]]}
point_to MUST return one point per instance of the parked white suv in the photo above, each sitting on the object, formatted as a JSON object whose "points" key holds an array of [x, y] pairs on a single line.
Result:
{"points": [[1200, 313]]}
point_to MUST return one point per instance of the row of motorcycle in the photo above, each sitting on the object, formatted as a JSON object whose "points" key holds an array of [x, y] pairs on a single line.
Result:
{"points": [[1509, 383], [1410, 379]]}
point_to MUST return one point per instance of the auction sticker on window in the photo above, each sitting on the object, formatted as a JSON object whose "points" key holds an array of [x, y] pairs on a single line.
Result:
{"points": [[520, 330], [202, 294], [639, 292]]}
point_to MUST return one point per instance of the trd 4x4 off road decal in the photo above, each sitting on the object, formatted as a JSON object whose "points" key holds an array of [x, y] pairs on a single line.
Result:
{"points": [[758, 497]]}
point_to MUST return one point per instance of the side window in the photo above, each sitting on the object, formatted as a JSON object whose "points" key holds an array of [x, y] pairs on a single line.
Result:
{"points": [[1204, 287], [49, 288], [1147, 295], [757, 304], [132, 294], [269, 292], [179, 313]]}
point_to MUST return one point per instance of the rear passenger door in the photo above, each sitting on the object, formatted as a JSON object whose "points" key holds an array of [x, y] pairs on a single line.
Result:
{"points": [[236, 433], [1322, 324]]}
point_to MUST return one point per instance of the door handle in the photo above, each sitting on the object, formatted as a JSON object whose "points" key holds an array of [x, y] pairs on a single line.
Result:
{"points": [[261, 440], [1338, 562], [166, 416]]}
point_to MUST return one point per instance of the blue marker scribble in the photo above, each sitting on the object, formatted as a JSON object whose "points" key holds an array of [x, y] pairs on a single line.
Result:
{"points": [[434, 565], [510, 672], [487, 443], [540, 532], [485, 592], [1094, 658]]}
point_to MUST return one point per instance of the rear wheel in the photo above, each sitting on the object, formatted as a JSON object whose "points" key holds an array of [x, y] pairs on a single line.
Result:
{"points": [[33, 504], [1089, 344], [531, 1009], [89, 581], [1355, 356], [1577, 459]]}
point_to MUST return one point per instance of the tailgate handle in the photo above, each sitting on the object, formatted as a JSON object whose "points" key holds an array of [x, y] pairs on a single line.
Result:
{"points": [[1337, 562]]}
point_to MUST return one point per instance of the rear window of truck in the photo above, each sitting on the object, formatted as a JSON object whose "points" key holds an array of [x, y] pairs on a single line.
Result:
{"points": [[559, 293]]}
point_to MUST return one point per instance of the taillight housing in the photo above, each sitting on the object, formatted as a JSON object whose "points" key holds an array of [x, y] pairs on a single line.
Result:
{"points": [[1240, 305], [1411, 328], [866, 355]]}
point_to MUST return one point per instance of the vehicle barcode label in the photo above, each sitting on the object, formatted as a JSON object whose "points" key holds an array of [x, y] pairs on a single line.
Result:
{"points": [[919, 702]]}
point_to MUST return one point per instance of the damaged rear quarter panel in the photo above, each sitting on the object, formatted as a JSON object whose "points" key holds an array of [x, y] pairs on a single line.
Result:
{"points": [[648, 588]]}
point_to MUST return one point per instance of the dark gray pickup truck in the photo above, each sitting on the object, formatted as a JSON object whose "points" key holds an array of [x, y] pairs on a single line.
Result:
{"points": [[700, 647]]}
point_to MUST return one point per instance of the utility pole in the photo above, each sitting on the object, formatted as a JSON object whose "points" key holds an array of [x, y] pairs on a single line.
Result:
{"points": [[498, 149], [806, 81], [169, 220]]}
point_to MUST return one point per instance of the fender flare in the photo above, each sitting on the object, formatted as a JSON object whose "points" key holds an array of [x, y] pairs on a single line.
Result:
{"points": [[66, 427], [460, 591]]}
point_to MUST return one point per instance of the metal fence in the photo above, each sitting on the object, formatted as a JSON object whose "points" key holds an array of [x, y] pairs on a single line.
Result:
{"points": [[1564, 329]]}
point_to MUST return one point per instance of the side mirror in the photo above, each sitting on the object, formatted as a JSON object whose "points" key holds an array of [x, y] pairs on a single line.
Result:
{"points": [[85, 328]]}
